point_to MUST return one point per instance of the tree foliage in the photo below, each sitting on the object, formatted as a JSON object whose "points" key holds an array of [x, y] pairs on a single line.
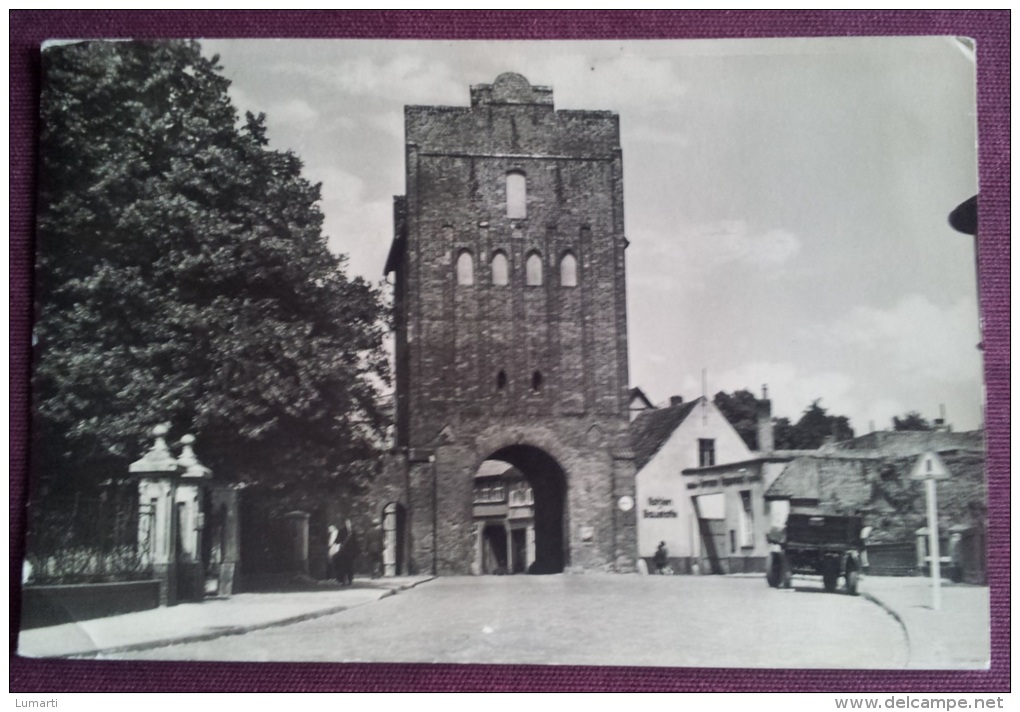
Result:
{"points": [[183, 277], [911, 421], [816, 425], [741, 410], [808, 433]]}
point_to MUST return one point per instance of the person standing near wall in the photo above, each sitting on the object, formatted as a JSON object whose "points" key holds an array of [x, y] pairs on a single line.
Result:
{"points": [[346, 556], [374, 550], [661, 558], [333, 547]]}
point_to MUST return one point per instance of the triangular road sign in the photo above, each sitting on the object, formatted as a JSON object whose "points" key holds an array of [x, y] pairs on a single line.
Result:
{"points": [[929, 466]]}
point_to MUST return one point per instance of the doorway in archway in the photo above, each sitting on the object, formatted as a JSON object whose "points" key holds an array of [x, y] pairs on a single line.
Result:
{"points": [[519, 505]]}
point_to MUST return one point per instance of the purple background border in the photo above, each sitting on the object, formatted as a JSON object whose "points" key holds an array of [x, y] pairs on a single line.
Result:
{"points": [[990, 28]]}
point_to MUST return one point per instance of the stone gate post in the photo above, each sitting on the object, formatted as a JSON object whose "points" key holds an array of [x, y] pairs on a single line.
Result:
{"points": [[189, 503], [157, 471]]}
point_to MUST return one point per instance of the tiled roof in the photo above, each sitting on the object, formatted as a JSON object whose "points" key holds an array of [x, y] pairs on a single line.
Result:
{"points": [[637, 393], [652, 428], [799, 479], [493, 468], [911, 442]]}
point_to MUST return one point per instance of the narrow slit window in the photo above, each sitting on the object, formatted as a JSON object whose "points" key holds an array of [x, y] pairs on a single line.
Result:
{"points": [[568, 270], [516, 195], [536, 381], [501, 381], [533, 269], [465, 269], [500, 269]]}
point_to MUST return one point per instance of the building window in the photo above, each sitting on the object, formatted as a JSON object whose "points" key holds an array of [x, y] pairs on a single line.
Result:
{"points": [[746, 520], [501, 381], [516, 195], [533, 269], [500, 269], [706, 452], [465, 269], [568, 270], [536, 381], [522, 496], [489, 494], [733, 542]]}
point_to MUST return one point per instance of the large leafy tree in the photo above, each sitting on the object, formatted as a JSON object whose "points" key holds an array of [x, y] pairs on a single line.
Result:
{"points": [[183, 277], [741, 410], [808, 433], [816, 424]]}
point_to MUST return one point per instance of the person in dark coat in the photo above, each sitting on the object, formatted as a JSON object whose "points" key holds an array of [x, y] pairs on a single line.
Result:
{"points": [[374, 550], [343, 562], [661, 558]]}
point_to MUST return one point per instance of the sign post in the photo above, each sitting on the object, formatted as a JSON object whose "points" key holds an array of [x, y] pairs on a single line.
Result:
{"points": [[929, 467]]}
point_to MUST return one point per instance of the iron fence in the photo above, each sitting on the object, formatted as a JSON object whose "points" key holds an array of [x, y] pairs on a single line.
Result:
{"points": [[95, 536]]}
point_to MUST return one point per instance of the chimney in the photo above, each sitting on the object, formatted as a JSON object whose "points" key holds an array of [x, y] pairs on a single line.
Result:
{"points": [[766, 439], [676, 400]]}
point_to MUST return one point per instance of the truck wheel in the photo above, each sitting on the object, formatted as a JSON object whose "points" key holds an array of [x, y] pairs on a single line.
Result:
{"points": [[786, 572], [830, 579], [852, 579]]}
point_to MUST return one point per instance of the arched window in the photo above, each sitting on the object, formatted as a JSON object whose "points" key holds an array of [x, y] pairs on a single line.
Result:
{"points": [[516, 195], [465, 268], [500, 269], [533, 269], [536, 381], [568, 270]]}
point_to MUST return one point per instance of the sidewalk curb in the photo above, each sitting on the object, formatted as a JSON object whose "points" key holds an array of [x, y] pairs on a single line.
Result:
{"points": [[233, 630], [896, 616]]}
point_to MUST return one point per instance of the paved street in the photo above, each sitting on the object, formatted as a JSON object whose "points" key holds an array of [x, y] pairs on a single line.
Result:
{"points": [[592, 619]]}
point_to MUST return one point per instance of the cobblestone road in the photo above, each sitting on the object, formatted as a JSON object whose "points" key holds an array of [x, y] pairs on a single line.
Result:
{"points": [[680, 621]]}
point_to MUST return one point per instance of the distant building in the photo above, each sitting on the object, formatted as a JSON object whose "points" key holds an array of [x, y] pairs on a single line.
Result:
{"points": [[638, 403], [870, 475], [504, 514], [666, 442]]}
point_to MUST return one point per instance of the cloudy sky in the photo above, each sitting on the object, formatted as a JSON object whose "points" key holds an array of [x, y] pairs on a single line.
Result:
{"points": [[786, 200]]}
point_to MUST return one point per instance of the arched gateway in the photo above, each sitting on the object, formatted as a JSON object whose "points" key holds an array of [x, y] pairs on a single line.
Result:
{"points": [[515, 365], [518, 508]]}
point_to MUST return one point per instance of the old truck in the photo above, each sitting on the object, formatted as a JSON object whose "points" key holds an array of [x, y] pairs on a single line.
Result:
{"points": [[815, 541]]}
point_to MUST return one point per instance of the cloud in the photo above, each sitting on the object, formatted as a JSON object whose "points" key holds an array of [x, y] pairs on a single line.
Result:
{"points": [[241, 101], [355, 225], [340, 189], [733, 241], [618, 82], [660, 136], [390, 122], [408, 76], [690, 257], [296, 113], [916, 337], [791, 389]]}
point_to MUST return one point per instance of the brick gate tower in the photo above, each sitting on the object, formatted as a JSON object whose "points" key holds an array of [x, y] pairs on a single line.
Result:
{"points": [[511, 332]]}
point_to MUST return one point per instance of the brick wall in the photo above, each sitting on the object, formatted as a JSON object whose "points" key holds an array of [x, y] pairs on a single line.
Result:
{"points": [[454, 340]]}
